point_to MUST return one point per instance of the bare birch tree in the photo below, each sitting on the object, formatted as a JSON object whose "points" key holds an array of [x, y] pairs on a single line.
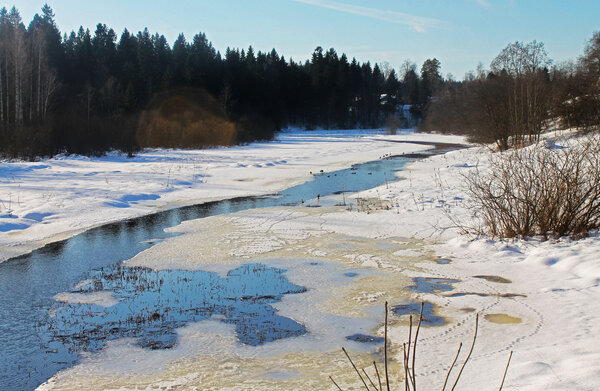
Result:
{"points": [[523, 69]]}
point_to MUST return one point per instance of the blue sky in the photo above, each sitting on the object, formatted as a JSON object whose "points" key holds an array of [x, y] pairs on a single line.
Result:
{"points": [[460, 33]]}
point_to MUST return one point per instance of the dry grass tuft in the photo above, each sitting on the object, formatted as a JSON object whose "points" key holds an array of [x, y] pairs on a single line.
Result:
{"points": [[410, 377]]}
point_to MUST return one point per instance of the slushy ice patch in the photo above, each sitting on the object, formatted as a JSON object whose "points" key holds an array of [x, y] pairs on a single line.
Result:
{"points": [[152, 304], [432, 285], [429, 318]]}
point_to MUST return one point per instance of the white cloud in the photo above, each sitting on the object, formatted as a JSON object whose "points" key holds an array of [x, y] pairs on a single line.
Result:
{"points": [[484, 3], [418, 28], [416, 23]]}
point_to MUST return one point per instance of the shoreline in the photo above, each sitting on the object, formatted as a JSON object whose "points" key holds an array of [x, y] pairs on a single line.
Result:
{"points": [[60, 226], [540, 300]]}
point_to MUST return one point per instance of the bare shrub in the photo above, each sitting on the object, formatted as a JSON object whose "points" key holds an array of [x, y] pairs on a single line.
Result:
{"points": [[185, 118], [550, 192]]}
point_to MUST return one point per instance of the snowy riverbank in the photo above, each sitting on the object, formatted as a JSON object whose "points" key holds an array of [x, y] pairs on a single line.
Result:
{"points": [[552, 299], [538, 299], [52, 199]]}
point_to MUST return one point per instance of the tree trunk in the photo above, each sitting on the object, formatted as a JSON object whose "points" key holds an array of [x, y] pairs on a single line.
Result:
{"points": [[39, 84], [49, 88], [7, 97], [31, 98], [21, 108], [17, 97], [89, 103], [1, 97]]}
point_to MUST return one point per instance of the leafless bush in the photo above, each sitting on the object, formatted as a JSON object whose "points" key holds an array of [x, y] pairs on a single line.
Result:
{"points": [[185, 118], [551, 192]]}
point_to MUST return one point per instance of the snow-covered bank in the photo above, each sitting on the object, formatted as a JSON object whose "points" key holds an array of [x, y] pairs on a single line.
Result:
{"points": [[553, 288], [52, 199], [538, 299]]}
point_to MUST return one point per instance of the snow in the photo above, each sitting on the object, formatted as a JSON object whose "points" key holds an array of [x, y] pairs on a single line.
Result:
{"points": [[556, 345], [541, 299], [102, 299], [53, 199]]}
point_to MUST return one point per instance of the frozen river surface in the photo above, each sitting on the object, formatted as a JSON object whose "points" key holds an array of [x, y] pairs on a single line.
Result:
{"points": [[68, 299]]}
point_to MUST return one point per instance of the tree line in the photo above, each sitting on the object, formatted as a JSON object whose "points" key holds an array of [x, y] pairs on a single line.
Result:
{"points": [[88, 93], [521, 95]]}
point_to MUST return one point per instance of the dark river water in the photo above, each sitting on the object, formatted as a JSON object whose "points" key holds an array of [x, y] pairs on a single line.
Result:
{"points": [[39, 336]]}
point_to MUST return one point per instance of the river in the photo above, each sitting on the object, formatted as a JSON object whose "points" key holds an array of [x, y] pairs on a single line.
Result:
{"points": [[33, 349]]}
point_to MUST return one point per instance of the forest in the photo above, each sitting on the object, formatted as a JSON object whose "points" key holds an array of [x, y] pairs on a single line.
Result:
{"points": [[520, 96], [89, 93]]}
